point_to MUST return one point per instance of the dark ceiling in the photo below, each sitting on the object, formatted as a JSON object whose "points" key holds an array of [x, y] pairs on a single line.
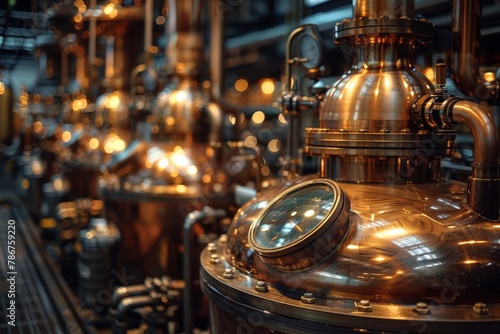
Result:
{"points": [[252, 27]]}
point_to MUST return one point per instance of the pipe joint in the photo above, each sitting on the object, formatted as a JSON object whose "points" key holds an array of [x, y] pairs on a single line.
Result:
{"points": [[447, 112], [433, 111]]}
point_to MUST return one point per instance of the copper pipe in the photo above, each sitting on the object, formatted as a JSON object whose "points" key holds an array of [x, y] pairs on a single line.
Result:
{"points": [[466, 18], [483, 129], [217, 64], [483, 186], [148, 26], [189, 221]]}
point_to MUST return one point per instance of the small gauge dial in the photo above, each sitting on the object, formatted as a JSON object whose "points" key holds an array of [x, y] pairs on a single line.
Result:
{"points": [[310, 48]]}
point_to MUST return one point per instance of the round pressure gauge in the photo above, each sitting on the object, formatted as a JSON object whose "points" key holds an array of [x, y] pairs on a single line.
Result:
{"points": [[301, 226], [310, 48]]}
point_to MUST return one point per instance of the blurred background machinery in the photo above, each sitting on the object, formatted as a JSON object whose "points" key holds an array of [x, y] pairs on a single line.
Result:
{"points": [[147, 138]]}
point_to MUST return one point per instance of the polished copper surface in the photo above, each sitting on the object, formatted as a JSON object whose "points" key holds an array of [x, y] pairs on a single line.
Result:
{"points": [[405, 243]]}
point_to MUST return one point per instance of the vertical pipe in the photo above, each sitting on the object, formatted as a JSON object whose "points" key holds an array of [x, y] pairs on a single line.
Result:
{"points": [[148, 26], [189, 221], [216, 49], [92, 85], [466, 27], [92, 33]]}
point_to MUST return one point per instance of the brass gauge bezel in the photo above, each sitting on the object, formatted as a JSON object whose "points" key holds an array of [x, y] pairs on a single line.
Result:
{"points": [[318, 242]]}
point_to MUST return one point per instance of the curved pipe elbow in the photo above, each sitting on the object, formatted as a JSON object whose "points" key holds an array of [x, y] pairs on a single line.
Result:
{"points": [[484, 131], [483, 186], [466, 21], [130, 303]]}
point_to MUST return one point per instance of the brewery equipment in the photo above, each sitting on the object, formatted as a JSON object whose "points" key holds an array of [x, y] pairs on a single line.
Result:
{"points": [[378, 241]]}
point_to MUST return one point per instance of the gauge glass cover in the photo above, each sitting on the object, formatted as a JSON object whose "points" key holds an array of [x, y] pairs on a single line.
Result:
{"points": [[310, 48], [294, 216]]}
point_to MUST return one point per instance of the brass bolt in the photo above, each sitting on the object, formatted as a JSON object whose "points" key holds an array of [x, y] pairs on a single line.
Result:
{"points": [[308, 298], [261, 286], [422, 308], [480, 308], [211, 247], [364, 306], [228, 273], [214, 259]]}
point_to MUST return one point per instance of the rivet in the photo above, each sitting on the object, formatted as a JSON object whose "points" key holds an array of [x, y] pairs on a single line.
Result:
{"points": [[223, 238], [384, 130], [211, 247], [214, 259], [308, 298], [261, 286], [364, 306], [228, 273], [480, 308], [422, 308]]}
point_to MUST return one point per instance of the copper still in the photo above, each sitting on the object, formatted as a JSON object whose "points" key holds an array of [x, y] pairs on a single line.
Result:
{"points": [[378, 241]]}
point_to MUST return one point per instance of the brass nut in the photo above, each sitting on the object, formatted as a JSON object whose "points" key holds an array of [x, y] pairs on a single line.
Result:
{"points": [[308, 298]]}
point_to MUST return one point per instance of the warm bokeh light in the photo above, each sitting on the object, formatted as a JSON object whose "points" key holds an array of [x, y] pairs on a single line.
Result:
{"points": [[108, 9], [179, 159], [250, 141], [163, 163], [170, 121], [231, 119], [192, 170], [113, 102], [76, 105], [94, 143], [181, 188], [37, 127], [241, 85], [83, 102], [274, 145], [489, 76], [114, 13], [177, 97], [119, 145], [258, 117], [429, 73], [282, 119], [66, 136], [267, 86], [109, 147]]}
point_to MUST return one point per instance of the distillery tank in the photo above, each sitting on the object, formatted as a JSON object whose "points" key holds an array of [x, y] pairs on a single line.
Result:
{"points": [[378, 241]]}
